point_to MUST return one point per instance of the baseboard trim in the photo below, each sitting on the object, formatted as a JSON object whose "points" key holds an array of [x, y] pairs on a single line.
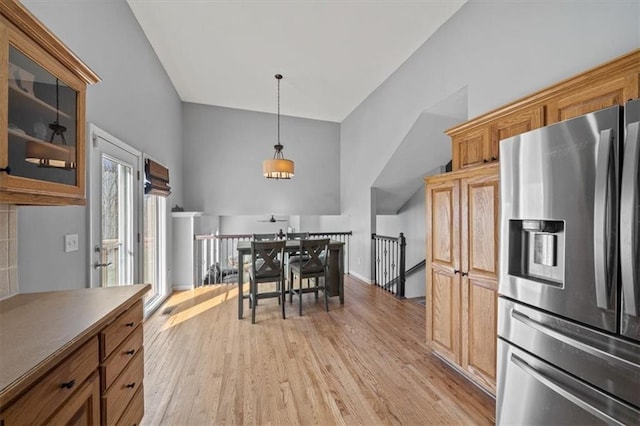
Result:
{"points": [[361, 278], [182, 287]]}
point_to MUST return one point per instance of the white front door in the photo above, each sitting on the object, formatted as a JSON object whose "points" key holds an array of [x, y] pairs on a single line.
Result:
{"points": [[115, 211]]}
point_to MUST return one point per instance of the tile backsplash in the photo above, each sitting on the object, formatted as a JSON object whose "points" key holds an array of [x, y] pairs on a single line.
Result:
{"points": [[8, 250]]}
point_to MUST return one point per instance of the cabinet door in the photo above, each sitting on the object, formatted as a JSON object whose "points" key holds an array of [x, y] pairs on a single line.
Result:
{"points": [[42, 138], [471, 148], [479, 245], [514, 124], [443, 264], [83, 408], [594, 97]]}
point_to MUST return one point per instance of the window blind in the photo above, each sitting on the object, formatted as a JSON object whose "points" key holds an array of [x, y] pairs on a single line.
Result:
{"points": [[156, 179]]}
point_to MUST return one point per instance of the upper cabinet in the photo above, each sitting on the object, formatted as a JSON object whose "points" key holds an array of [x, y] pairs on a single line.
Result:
{"points": [[477, 142], [480, 145], [42, 127]]}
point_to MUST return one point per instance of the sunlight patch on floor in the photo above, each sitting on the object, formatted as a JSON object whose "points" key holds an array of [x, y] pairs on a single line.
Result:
{"points": [[185, 315]]}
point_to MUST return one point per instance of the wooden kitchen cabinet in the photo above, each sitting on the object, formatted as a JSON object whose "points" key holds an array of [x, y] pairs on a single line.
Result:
{"points": [[462, 267], [476, 142], [481, 145], [121, 364], [479, 219], [597, 95], [72, 357], [42, 127], [443, 265]]}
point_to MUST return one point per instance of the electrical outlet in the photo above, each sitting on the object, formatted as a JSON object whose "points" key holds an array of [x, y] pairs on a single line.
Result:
{"points": [[70, 242]]}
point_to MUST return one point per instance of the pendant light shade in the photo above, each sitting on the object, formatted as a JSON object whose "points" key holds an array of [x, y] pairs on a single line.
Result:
{"points": [[278, 167], [52, 154]]}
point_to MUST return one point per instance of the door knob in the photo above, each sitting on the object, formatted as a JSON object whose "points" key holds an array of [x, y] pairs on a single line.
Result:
{"points": [[98, 265]]}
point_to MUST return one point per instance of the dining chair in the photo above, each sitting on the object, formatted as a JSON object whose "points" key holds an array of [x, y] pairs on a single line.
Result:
{"points": [[266, 267], [313, 266], [294, 256], [264, 237]]}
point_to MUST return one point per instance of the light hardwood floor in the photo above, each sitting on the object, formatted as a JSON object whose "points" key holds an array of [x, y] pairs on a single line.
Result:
{"points": [[365, 362]]}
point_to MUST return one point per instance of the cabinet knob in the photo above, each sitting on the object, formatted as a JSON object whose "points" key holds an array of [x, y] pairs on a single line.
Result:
{"points": [[7, 170], [494, 159], [68, 385], [131, 352], [455, 271], [484, 160], [131, 385], [130, 324], [464, 274]]}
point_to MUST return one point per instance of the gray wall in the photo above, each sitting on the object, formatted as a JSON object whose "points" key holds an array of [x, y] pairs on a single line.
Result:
{"points": [[135, 102], [501, 51], [410, 220], [224, 149]]}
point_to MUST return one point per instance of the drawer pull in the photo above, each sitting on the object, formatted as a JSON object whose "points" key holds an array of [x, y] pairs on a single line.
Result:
{"points": [[131, 352], [130, 324], [68, 385], [130, 385]]}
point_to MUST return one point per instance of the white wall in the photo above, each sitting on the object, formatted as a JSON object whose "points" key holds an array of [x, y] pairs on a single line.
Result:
{"points": [[500, 51], [224, 149], [135, 102]]}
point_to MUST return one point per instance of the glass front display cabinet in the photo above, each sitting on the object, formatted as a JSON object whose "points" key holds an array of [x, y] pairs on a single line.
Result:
{"points": [[42, 128]]}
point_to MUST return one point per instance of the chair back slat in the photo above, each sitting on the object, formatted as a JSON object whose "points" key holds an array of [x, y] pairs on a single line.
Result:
{"points": [[266, 258], [312, 259]]}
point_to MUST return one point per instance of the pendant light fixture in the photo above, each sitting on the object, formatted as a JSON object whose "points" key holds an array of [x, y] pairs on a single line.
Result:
{"points": [[56, 155], [278, 167]]}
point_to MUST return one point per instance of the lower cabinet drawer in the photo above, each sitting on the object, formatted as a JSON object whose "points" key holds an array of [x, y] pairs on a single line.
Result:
{"points": [[135, 411], [47, 395], [116, 332], [83, 408], [117, 398], [118, 360]]}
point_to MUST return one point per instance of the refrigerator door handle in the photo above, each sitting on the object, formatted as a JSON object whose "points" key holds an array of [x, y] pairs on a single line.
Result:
{"points": [[602, 220], [628, 220], [561, 390], [608, 357]]}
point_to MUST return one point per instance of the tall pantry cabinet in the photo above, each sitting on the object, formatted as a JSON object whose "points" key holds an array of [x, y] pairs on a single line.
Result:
{"points": [[462, 263]]}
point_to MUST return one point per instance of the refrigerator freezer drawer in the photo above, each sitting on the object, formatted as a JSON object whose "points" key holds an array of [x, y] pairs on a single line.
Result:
{"points": [[605, 362], [533, 392]]}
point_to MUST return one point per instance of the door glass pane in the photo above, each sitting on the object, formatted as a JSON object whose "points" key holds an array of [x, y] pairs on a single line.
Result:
{"points": [[41, 122], [154, 246], [150, 248], [117, 239]]}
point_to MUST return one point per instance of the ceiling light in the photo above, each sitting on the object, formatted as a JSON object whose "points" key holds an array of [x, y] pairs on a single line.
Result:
{"points": [[278, 167]]}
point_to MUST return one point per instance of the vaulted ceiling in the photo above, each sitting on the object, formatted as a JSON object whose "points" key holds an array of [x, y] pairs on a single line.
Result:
{"points": [[332, 54]]}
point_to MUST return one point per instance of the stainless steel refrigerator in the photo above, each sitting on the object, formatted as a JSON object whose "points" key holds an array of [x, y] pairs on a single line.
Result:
{"points": [[569, 292]]}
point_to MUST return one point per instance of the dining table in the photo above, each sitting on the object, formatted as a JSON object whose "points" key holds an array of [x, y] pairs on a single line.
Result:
{"points": [[335, 285]]}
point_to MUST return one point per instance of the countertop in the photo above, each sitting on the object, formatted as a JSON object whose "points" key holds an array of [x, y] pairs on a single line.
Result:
{"points": [[38, 330]]}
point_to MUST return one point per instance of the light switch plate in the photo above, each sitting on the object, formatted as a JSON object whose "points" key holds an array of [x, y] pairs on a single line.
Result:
{"points": [[70, 242]]}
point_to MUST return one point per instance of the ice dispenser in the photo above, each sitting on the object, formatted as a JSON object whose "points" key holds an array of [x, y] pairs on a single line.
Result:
{"points": [[536, 250]]}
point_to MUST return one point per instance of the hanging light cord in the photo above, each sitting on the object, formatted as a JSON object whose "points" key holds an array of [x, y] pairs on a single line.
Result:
{"points": [[278, 146], [57, 101]]}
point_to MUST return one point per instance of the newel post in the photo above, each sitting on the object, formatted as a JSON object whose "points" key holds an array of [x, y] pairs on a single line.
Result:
{"points": [[403, 261], [373, 259]]}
